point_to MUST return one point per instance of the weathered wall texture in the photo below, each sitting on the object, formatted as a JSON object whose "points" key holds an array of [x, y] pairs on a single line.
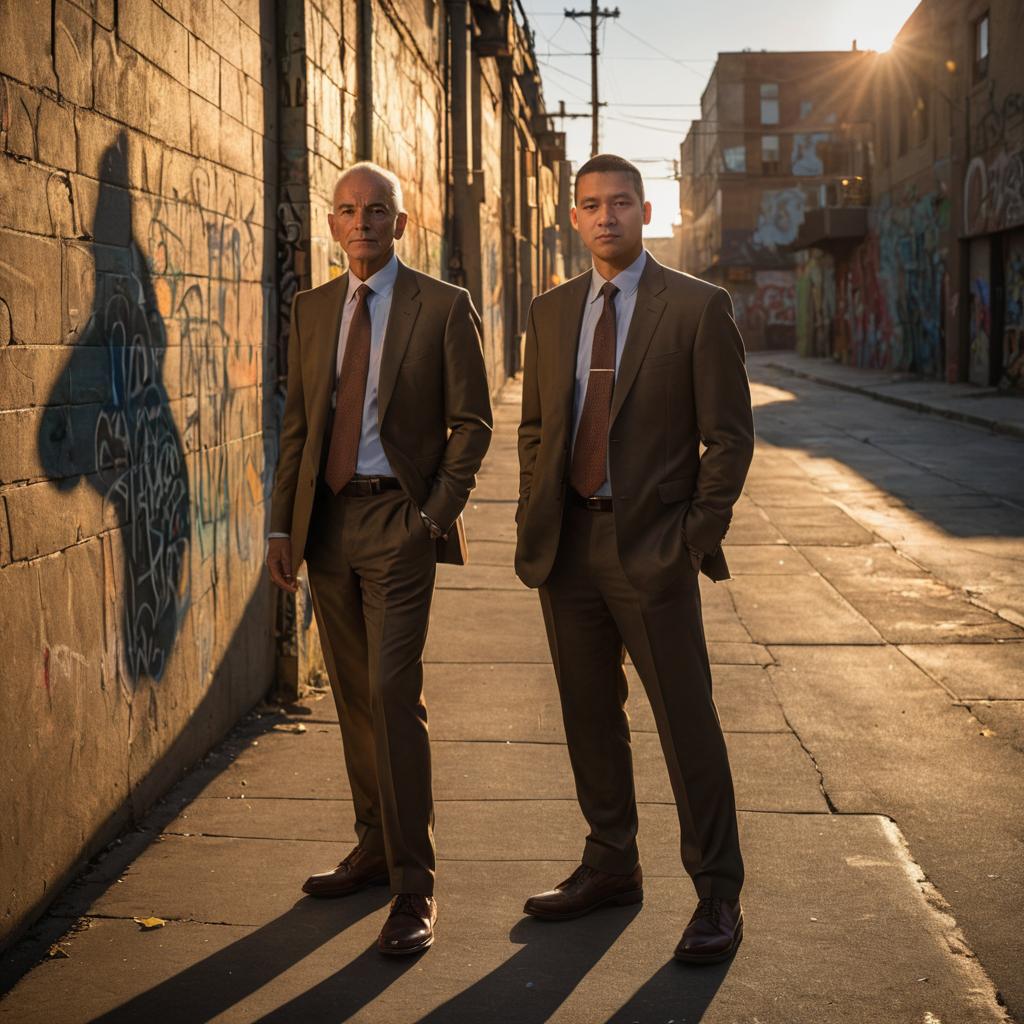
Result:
{"points": [[935, 285], [777, 134], [133, 260], [166, 171]]}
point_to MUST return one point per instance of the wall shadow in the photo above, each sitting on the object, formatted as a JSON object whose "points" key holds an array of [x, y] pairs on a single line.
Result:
{"points": [[923, 469], [126, 445]]}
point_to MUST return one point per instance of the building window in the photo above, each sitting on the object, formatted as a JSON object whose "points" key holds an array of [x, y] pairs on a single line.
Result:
{"points": [[806, 106], [735, 158], [769, 154], [769, 103], [902, 127], [981, 47]]}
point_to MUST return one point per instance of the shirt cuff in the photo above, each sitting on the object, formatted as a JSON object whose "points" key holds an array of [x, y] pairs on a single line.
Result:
{"points": [[271, 536]]}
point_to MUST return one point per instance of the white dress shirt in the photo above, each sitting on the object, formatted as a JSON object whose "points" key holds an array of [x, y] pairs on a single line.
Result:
{"points": [[370, 460], [627, 281]]}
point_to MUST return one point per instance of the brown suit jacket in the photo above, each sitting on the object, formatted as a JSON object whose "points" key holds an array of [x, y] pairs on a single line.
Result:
{"points": [[433, 401], [681, 382]]}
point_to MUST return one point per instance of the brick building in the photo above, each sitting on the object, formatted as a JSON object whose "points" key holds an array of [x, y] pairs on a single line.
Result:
{"points": [[165, 179], [779, 134], [934, 284], [923, 270]]}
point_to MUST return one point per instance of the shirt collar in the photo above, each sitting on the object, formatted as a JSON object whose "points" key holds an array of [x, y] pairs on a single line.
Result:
{"points": [[380, 283], [627, 281]]}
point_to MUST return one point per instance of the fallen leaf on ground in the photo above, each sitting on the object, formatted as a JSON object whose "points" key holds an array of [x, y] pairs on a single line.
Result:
{"points": [[147, 924], [57, 951]]}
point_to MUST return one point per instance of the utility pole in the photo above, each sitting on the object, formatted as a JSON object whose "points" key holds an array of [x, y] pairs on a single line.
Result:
{"points": [[595, 14]]}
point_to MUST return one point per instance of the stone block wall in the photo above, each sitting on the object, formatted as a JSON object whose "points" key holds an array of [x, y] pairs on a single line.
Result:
{"points": [[135, 274]]}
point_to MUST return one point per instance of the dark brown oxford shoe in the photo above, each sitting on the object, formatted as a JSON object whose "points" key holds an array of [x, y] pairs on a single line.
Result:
{"points": [[410, 925], [585, 890], [358, 870], [714, 933]]}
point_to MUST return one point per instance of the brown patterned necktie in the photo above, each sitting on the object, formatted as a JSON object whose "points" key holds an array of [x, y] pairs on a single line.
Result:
{"points": [[590, 452], [348, 412]]}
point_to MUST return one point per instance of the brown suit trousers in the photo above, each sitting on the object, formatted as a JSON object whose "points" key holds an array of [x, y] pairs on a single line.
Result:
{"points": [[371, 561], [622, 580]]}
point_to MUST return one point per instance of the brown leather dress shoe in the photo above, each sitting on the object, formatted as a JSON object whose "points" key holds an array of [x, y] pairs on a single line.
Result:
{"points": [[410, 925], [714, 933], [358, 870], [585, 890]]}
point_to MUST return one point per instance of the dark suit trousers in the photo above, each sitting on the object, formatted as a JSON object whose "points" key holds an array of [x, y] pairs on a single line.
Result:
{"points": [[592, 614], [371, 566]]}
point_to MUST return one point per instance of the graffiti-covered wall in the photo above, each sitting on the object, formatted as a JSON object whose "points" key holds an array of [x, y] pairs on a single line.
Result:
{"points": [[137, 259], [882, 307]]}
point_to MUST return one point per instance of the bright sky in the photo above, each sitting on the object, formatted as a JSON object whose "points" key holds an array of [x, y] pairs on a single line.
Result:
{"points": [[656, 58]]}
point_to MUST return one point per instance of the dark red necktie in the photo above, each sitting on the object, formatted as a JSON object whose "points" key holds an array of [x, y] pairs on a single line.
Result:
{"points": [[590, 452], [348, 409]]}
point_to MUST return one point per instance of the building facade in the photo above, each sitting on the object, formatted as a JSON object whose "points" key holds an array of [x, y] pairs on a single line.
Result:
{"points": [[165, 178], [931, 279], [904, 249], [779, 134]]}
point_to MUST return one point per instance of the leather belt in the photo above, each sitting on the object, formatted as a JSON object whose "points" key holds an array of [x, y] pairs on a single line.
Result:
{"points": [[365, 486], [594, 504]]}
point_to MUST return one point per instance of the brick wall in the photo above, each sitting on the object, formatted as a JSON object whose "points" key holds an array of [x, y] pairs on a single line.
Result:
{"points": [[132, 467]]}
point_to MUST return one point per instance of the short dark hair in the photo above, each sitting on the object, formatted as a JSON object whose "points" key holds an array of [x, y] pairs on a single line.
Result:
{"points": [[605, 163]]}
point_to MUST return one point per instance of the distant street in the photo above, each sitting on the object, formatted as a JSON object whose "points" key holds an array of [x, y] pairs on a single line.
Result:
{"points": [[869, 672]]}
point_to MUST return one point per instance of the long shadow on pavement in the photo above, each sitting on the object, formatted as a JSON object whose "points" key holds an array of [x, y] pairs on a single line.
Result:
{"points": [[529, 987], [214, 985], [676, 992]]}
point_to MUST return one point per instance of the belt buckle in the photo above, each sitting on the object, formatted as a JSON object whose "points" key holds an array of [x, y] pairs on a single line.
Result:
{"points": [[374, 484], [594, 503]]}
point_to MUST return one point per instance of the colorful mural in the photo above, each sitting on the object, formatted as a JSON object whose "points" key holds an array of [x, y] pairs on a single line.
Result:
{"points": [[994, 193], [782, 213], [893, 294], [1013, 313], [805, 158], [815, 302], [766, 312]]}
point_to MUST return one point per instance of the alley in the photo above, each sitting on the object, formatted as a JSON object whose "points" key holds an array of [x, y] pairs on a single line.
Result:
{"points": [[868, 671]]}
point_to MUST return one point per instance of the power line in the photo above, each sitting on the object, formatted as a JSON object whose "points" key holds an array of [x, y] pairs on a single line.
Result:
{"points": [[597, 15], [660, 52]]}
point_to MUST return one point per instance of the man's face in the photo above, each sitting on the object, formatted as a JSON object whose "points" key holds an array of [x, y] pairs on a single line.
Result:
{"points": [[364, 221], [609, 214]]}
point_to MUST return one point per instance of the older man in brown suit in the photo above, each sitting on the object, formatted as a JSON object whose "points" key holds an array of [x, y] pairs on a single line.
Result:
{"points": [[386, 421], [629, 369]]}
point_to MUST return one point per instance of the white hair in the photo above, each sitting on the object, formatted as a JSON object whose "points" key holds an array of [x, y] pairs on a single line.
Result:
{"points": [[388, 177]]}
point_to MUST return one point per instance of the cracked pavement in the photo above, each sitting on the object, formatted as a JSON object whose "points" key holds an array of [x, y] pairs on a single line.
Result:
{"points": [[869, 675]]}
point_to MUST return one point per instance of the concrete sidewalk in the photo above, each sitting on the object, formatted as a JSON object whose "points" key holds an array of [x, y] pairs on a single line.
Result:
{"points": [[999, 411], [841, 924]]}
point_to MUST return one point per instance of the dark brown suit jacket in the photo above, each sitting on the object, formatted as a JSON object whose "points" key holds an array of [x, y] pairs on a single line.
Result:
{"points": [[681, 382], [433, 403]]}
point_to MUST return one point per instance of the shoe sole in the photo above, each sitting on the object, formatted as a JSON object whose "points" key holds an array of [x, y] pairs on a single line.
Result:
{"points": [[422, 947], [622, 899], [379, 880], [717, 958]]}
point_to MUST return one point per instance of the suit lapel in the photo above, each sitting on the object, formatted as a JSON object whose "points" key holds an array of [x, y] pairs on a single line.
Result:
{"points": [[405, 306], [324, 355], [646, 314], [566, 344]]}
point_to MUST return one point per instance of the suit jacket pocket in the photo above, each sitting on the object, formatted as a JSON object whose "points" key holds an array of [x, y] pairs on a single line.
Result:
{"points": [[663, 358], [671, 491]]}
